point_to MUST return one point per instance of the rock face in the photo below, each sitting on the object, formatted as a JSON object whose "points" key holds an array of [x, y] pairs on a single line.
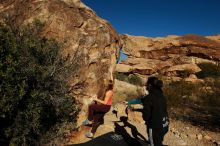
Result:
{"points": [[173, 56], [87, 39]]}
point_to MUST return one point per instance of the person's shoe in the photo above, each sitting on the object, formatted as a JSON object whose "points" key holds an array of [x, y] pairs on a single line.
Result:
{"points": [[87, 122], [89, 135]]}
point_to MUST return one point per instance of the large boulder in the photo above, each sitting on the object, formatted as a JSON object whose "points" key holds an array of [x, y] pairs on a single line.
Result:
{"points": [[172, 46], [89, 41], [123, 68], [193, 79], [144, 66], [136, 45], [184, 68], [174, 56]]}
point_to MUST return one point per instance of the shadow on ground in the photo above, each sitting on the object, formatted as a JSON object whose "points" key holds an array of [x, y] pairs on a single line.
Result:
{"points": [[120, 136]]}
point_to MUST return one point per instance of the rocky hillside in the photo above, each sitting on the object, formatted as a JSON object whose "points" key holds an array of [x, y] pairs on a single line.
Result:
{"points": [[172, 56]]}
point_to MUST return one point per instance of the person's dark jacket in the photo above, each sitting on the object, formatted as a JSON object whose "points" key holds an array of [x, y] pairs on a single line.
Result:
{"points": [[155, 109]]}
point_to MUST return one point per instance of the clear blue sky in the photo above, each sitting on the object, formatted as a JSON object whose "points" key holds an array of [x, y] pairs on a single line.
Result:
{"points": [[160, 17]]}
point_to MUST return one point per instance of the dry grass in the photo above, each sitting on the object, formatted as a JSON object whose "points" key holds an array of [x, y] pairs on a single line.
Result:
{"points": [[196, 103]]}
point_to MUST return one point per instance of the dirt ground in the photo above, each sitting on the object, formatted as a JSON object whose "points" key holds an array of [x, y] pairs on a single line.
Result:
{"points": [[117, 131]]}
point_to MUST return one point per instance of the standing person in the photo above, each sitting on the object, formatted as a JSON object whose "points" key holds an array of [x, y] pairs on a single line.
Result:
{"points": [[155, 112]]}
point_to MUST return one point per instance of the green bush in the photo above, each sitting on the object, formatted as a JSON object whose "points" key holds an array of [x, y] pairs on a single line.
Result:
{"points": [[208, 70], [33, 86], [180, 93], [211, 93], [127, 95], [119, 97], [121, 76], [134, 79]]}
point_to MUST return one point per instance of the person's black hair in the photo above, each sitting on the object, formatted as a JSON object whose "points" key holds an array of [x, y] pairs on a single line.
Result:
{"points": [[154, 82], [159, 84], [151, 80]]}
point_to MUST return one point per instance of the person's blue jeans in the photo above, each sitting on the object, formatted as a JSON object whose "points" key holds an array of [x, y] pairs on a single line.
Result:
{"points": [[156, 135]]}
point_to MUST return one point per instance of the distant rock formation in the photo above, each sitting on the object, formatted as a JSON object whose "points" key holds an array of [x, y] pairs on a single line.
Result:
{"points": [[87, 39], [170, 56]]}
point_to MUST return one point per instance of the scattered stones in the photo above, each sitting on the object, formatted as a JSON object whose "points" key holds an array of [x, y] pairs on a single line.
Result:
{"points": [[199, 136], [182, 143], [215, 143], [183, 135], [176, 133], [172, 129], [207, 137], [192, 136], [177, 136]]}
